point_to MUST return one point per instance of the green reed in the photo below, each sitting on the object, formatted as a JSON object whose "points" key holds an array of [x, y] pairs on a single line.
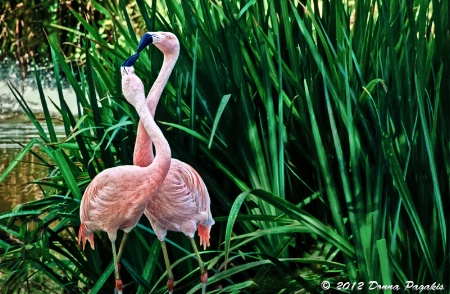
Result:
{"points": [[322, 141]]}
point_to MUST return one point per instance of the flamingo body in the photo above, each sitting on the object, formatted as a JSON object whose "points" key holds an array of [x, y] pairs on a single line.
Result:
{"points": [[116, 198], [181, 205]]}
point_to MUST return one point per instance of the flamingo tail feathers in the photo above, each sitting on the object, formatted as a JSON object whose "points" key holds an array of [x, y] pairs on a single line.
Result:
{"points": [[203, 233], [85, 234]]}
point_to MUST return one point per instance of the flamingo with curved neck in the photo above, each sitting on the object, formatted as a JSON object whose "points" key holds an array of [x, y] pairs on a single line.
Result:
{"points": [[117, 197], [183, 203]]}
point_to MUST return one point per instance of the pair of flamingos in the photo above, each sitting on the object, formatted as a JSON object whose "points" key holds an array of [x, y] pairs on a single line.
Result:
{"points": [[169, 192]]}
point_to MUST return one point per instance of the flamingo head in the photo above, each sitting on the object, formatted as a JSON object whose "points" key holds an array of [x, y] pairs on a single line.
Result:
{"points": [[132, 87], [166, 42]]}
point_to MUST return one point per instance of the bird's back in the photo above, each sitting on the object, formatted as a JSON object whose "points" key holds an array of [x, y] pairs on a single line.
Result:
{"points": [[182, 204]]}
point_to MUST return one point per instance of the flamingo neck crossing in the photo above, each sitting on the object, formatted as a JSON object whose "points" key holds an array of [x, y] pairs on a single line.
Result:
{"points": [[142, 156]]}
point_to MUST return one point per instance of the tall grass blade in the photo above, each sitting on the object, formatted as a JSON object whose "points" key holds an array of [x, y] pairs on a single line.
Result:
{"points": [[48, 120], [103, 279], [222, 105], [434, 176], [384, 263], [17, 159]]}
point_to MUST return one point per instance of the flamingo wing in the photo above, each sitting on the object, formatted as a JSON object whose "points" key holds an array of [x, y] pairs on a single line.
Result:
{"points": [[181, 204], [111, 202]]}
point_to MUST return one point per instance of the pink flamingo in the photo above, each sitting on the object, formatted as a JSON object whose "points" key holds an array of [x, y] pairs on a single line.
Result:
{"points": [[116, 198], [182, 203]]}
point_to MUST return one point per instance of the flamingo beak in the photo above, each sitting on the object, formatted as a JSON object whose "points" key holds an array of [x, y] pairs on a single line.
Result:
{"points": [[146, 40], [130, 60]]}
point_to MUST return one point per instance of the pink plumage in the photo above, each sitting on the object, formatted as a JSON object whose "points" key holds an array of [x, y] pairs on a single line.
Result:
{"points": [[182, 204], [183, 185], [116, 198]]}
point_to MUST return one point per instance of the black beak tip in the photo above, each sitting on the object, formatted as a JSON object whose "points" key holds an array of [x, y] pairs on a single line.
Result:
{"points": [[146, 40], [130, 60]]}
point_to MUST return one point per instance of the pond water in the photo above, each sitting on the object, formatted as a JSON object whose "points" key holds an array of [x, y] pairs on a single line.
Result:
{"points": [[15, 128], [16, 187]]}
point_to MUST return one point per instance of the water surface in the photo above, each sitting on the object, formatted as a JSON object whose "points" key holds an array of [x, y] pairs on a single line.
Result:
{"points": [[16, 128], [16, 188]]}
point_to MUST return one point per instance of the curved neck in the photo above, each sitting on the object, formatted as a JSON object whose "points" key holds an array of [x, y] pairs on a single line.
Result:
{"points": [[161, 163], [143, 152], [161, 81]]}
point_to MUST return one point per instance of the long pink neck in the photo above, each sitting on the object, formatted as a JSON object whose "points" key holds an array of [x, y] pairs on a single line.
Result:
{"points": [[157, 171], [143, 152]]}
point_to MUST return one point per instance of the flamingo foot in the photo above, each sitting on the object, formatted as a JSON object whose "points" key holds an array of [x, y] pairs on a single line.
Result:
{"points": [[119, 286], [204, 280], [170, 285]]}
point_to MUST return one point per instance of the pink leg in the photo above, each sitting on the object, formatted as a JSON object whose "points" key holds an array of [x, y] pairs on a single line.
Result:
{"points": [[204, 274], [170, 279], [116, 269], [170, 285], [204, 280], [121, 247], [119, 285]]}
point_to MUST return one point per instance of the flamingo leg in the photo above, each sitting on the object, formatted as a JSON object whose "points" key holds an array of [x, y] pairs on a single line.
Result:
{"points": [[121, 247], [116, 269], [204, 274], [170, 279]]}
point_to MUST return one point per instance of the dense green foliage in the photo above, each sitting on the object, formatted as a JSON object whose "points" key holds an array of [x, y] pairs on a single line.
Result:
{"points": [[25, 24], [322, 141]]}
